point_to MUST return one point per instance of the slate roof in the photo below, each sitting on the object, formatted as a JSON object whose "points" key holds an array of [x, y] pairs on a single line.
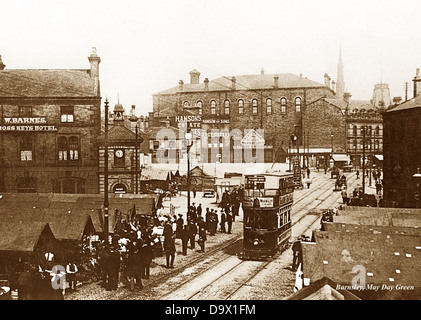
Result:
{"points": [[387, 258], [353, 104], [247, 82], [21, 236], [47, 83], [155, 174], [322, 289], [410, 104]]}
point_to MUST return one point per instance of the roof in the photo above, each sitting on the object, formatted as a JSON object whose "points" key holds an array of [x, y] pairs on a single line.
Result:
{"points": [[247, 82], [387, 258], [410, 104], [340, 157], [322, 289], [21, 236], [155, 174], [47, 83], [64, 223], [353, 104], [374, 229]]}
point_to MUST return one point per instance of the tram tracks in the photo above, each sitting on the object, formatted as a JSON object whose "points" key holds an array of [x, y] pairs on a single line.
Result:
{"points": [[219, 274]]}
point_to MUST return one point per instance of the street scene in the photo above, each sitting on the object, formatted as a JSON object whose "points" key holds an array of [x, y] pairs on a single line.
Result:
{"points": [[137, 165]]}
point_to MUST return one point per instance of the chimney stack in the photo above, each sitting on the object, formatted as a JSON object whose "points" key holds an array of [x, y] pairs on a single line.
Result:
{"points": [[333, 85], [262, 72], [94, 60], [327, 80], [276, 81], [2, 65], [194, 77], [180, 85], [417, 87], [347, 96], [233, 80], [206, 84]]}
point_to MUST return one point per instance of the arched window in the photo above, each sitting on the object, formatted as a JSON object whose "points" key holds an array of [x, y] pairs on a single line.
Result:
{"points": [[269, 105], [62, 148], [186, 104], [240, 106], [73, 148], [255, 106], [283, 105], [298, 104], [213, 107], [26, 149], [226, 107], [354, 130], [199, 104], [377, 130]]}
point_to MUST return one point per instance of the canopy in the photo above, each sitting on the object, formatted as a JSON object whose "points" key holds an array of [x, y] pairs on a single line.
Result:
{"points": [[340, 157], [379, 157]]}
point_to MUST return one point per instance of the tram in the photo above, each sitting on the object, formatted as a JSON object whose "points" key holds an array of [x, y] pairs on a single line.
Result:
{"points": [[267, 205]]}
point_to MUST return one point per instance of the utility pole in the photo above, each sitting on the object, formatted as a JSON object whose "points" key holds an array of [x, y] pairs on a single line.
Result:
{"points": [[136, 162], [363, 128], [106, 203]]}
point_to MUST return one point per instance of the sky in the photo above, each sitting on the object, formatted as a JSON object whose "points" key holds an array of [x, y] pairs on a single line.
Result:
{"points": [[148, 46]]}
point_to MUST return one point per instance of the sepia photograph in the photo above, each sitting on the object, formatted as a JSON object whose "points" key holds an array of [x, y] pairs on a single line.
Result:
{"points": [[209, 157]]}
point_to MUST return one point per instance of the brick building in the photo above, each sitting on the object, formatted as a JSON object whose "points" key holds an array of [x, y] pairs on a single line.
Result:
{"points": [[50, 122], [278, 104], [402, 154]]}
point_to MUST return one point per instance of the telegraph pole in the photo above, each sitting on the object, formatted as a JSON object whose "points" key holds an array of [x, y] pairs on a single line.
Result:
{"points": [[106, 203], [363, 159], [136, 163]]}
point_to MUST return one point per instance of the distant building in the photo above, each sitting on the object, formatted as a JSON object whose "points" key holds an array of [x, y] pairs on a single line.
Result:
{"points": [[49, 125]]}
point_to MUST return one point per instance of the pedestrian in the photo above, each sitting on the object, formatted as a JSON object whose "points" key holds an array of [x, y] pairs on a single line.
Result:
{"points": [[215, 221], [223, 221], [146, 255], [202, 238], [297, 258], [358, 174], [180, 224], [229, 222], [169, 248], [71, 270], [114, 269], [134, 265], [184, 239], [194, 192], [198, 211], [192, 231], [344, 195]]}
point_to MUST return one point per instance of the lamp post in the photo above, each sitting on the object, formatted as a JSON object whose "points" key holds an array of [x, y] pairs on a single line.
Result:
{"points": [[106, 203], [363, 164], [189, 143], [331, 146], [417, 179]]}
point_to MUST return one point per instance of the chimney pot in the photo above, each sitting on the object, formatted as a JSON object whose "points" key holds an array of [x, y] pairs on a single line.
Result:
{"points": [[194, 77], [275, 79], [180, 85], [233, 80], [2, 65], [206, 84]]}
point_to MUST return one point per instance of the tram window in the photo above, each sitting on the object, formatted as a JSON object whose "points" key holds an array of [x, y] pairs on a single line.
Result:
{"points": [[256, 220]]}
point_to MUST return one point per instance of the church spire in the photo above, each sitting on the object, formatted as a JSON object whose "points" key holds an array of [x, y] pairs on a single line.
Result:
{"points": [[340, 83]]}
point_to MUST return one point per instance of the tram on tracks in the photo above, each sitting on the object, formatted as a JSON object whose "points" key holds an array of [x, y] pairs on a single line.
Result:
{"points": [[267, 205]]}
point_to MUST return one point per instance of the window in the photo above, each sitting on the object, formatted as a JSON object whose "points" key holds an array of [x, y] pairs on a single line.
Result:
{"points": [[269, 105], [354, 130], [186, 104], [26, 149], [283, 105], [68, 185], [254, 104], [73, 148], [199, 104], [213, 107], [226, 107], [240, 106], [62, 148], [67, 114], [25, 111], [298, 104], [68, 148], [377, 130]]}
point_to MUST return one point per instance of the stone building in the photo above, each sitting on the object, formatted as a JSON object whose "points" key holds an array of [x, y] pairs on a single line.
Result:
{"points": [[126, 152], [50, 122], [229, 113]]}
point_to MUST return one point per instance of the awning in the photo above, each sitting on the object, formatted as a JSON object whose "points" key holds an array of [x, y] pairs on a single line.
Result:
{"points": [[340, 157], [379, 157]]}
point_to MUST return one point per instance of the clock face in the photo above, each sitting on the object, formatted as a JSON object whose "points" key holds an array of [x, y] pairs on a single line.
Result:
{"points": [[119, 153]]}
